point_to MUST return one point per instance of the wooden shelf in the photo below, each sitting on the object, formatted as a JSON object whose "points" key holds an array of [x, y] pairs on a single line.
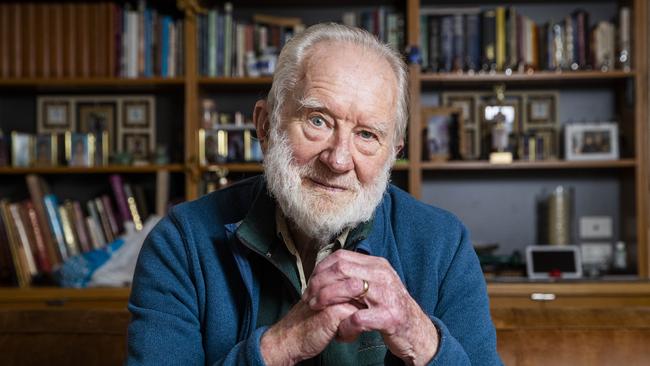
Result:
{"points": [[536, 77], [49, 297], [93, 170], [257, 168], [526, 165], [238, 81], [235, 167], [93, 82]]}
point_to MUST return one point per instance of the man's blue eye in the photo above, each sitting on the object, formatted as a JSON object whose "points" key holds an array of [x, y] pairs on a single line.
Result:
{"points": [[317, 121], [366, 135]]}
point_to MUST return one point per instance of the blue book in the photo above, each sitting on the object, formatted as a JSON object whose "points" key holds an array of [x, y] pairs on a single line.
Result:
{"points": [[459, 43], [52, 212], [221, 41], [473, 53], [164, 40], [447, 43], [148, 43]]}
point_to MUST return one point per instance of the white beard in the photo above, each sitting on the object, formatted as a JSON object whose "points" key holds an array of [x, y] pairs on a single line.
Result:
{"points": [[318, 214]]}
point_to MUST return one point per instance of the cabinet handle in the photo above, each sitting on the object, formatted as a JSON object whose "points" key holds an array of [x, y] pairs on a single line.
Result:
{"points": [[539, 296]]}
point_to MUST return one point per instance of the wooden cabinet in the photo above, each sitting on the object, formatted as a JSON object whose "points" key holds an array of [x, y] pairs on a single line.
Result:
{"points": [[569, 295]]}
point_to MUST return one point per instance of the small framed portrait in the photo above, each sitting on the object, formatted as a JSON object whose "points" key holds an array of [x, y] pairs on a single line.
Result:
{"points": [[137, 113], [21, 149], [213, 146], [541, 109], [136, 144], [79, 149], [443, 139], [96, 117], [499, 124], [45, 149], [591, 141], [54, 114], [468, 104]]}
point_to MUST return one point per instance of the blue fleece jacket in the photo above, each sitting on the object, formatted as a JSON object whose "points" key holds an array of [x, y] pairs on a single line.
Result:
{"points": [[194, 298]]}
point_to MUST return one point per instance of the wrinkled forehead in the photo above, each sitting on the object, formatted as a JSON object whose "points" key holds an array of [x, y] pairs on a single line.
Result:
{"points": [[348, 73]]}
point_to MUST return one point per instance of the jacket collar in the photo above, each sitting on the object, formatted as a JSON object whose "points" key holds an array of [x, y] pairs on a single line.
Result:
{"points": [[257, 229]]}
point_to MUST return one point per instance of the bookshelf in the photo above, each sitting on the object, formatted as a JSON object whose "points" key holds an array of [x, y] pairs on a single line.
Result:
{"points": [[630, 172]]}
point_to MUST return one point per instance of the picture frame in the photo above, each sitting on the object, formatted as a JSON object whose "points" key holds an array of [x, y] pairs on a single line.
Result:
{"points": [[137, 113], [544, 261], [591, 141], [54, 114], [137, 144], [80, 149], [96, 116], [444, 137], [541, 109], [45, 150], [499, 125], [21, 149], [467, 103]]}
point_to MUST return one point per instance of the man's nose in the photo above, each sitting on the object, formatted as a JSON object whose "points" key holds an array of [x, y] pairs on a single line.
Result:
{"points": [[337, 156]]}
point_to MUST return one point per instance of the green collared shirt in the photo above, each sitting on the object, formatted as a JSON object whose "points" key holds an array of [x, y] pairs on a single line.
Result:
{"points": [[282, 279]]}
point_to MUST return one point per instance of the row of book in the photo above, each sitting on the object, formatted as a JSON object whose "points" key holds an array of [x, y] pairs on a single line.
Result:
{"points": [[54, 149], [502, 39], [39, 234], [102, 39], [229, 144], [235, 48]]}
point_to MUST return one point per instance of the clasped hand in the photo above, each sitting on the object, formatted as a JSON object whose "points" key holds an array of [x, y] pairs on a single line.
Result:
{"points": [[335, 306]]}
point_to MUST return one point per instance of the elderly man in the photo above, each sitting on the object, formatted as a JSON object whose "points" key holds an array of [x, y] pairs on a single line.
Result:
{"points": [[319, 261]]}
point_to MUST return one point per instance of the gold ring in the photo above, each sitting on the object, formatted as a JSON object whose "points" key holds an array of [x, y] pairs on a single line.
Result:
{"points": [[366, 286]]}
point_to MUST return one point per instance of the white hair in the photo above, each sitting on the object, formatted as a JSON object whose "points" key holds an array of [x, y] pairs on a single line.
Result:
{"points": [[290, 67]]}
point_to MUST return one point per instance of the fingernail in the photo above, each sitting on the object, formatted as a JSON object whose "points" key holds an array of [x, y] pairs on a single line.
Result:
{"points": [[312, 302]]}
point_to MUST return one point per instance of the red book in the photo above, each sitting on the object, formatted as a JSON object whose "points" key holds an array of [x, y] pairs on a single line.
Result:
{"points": [[4, 41], [38, 190], [120, 197], [39, 249], [56, 54], [70, 40], [16, 40], [80, 227], [31, 36]]}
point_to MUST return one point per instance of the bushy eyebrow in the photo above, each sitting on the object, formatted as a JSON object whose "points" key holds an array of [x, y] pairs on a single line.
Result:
{"points": [[311, 103]]}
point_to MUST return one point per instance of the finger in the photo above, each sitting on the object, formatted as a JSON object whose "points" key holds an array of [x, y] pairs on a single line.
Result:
{"points": [[339, 271], [363, 321], [341, 254], [338, 292]]}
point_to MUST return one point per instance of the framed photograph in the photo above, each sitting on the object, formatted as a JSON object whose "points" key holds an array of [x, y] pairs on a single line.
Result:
{"points": [[541, 109], [96, 117], [21, 149], [45, 149], [213, 147], [443, 139], [591, 141], [548, 261], [137, 113], [136, 144], [499, 124], [79, 149], [468, 104], [54, 114]]}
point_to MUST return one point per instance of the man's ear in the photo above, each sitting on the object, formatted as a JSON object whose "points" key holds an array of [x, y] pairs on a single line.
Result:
{"points": [[262, 123], [399, 147]]}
